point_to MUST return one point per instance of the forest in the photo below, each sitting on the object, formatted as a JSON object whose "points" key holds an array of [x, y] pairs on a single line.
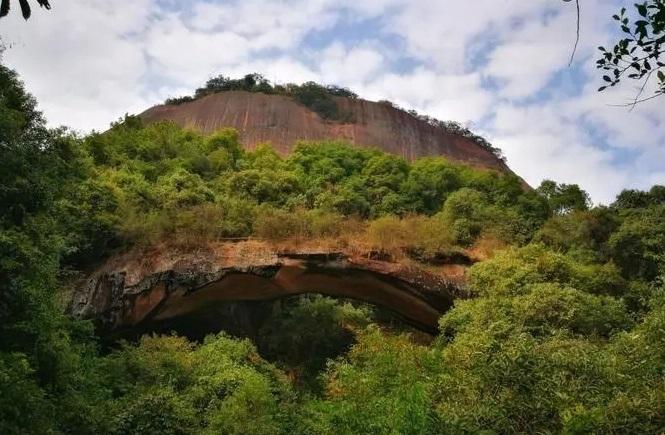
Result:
{"points": [[563, 329]]}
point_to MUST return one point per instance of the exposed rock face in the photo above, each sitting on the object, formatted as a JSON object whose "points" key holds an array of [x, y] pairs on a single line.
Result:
{"points": [[281, 121], [137, 293]]}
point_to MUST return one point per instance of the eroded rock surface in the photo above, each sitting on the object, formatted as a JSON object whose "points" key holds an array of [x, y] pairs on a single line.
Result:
{"points": [[133, 291], [281, 121]]}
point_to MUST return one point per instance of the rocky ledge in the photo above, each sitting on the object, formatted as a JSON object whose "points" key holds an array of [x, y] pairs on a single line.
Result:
{"points": [[141, 290]]}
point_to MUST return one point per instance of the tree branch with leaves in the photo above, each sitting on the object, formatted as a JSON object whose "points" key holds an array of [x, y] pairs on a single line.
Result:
{"points": [[639, 55], [26, 11]]}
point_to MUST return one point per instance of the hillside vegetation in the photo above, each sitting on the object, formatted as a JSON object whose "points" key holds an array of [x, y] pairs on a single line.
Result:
{"points": [[564, 332], [159, 182]]}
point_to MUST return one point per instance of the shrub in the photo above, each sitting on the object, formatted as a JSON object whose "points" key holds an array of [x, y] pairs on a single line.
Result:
{"points": [[145, 228], [542, 310], [324, 223], [382, 386], [430, 235], [154, 413], [176, 101], [181, 189], [23, 405], [429, 183], [168, 385], [277, 225], [388, 234], [637, 244], [304, 332], [513, 270], [239, 215]]}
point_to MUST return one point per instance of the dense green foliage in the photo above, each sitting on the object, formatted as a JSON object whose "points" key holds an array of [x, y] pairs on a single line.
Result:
{"points": [[563, 330], [159, 180]]}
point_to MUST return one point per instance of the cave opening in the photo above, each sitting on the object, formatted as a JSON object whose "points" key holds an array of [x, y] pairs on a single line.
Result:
{"points": [[299, 333], [247, 318]]}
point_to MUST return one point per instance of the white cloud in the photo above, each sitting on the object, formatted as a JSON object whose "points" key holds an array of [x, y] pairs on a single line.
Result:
{"points": [[184, 55], [441, 32], [529, 56], [267, 23], [456, 97], [352, 67], [80, 77], [541, 142]]}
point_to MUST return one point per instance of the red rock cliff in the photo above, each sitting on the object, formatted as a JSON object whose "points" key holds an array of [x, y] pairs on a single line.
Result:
{"points": [[281, 121]]}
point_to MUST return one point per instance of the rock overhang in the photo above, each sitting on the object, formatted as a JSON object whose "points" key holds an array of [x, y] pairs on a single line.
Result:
{"points": [[124, 294]]}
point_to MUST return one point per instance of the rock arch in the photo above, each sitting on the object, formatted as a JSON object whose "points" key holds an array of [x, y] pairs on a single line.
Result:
{"points": [[121, 296]]}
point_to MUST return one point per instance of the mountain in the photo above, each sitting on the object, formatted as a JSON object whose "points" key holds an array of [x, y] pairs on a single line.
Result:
{"points": [[282, 121]]}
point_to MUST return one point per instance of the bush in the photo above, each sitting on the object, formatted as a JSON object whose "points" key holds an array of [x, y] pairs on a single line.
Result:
{"points": [[324, 224], [543, 310], [304, 332], [277, 225], [388, 234], [431, 236], [512, 271], [154, 413], [382, 386], [316, 97], [167, 385], [637, 244], [24, 407], [429, 183]]}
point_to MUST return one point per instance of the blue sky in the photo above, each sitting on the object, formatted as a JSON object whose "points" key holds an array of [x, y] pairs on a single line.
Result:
{"points": [[498, 66]]}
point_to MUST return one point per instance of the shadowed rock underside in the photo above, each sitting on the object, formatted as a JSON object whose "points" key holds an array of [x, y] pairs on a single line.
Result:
{"points": [[146, 292]]}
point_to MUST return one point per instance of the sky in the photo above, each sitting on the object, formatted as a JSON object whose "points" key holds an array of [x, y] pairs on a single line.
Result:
{"points": [[500, 67]]}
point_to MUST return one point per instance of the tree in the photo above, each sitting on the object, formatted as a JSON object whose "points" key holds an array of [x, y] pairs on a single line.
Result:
{"points": [[25, 7], [630, 198], [564, 198], [429, 183], [638, 55], [637, 245]]}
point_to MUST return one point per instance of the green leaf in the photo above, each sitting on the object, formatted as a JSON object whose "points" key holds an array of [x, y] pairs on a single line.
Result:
{"points": [[607, 78], [661, 76], [642, 9]]}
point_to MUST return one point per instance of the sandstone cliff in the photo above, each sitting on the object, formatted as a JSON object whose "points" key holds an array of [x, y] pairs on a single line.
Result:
{"points": [[281, 121]]}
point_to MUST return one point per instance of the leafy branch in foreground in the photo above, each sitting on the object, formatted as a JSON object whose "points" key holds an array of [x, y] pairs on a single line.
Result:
{"points": [[638, 56], [25, 7]]}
